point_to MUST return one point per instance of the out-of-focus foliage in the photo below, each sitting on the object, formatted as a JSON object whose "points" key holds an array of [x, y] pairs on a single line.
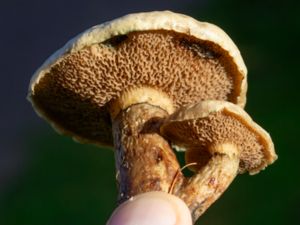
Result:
{"points": [[67, 183], [267, 34]]}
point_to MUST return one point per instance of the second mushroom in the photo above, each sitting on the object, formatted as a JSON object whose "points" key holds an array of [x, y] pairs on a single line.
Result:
{"points": [[221, 140], [117, 84]]}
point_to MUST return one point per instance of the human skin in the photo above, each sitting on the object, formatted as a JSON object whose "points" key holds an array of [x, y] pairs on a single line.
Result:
{"points": [[152, 208]]}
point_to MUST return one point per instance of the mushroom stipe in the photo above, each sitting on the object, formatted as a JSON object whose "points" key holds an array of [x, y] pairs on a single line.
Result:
{"points": [[139, 84]]}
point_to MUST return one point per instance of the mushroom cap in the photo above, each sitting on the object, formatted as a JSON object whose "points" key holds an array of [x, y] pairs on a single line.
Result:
{"points": [[197, 127], [173, 55]]}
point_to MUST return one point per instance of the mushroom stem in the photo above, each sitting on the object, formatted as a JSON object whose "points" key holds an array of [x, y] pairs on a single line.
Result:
{"points": [[206, 186], [144, 160]]}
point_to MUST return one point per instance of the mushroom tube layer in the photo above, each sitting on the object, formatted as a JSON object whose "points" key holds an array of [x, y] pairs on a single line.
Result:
{"points": [[179, 58], [198, 127]]}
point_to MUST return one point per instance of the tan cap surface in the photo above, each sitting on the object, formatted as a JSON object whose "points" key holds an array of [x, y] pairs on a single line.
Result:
{"points": [[197, 127], [181, 59]]}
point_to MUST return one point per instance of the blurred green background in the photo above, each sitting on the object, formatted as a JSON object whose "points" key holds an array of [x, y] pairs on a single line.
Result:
{"points": [[60, 182]]}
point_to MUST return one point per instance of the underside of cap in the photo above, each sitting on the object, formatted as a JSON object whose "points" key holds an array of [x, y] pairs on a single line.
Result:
{"points": [[197, 127], [72, 88]]}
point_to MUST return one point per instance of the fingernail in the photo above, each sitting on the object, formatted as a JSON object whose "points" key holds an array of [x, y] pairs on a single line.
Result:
{"points": [[152, 208]]}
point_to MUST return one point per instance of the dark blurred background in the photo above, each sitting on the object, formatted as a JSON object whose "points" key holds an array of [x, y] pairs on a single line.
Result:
{"points": [[47, 179]]}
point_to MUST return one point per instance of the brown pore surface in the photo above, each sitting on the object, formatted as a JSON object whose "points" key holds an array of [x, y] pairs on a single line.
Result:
{"points": [[197, 135], [75, 92]]}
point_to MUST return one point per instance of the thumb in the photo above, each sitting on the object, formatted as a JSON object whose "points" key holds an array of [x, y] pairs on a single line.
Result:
{"points": [[152, 208]]}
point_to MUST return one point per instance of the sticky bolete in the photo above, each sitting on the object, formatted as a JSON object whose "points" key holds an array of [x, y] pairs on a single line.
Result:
{"points": [[116, 82], [223, 140]]}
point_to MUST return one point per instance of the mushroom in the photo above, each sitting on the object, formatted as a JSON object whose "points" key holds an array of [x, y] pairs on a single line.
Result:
{"points": [[222, 140], [115, 83]]}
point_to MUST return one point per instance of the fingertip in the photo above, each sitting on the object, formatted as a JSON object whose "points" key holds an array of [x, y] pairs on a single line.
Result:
{"points": [[152, 208]]}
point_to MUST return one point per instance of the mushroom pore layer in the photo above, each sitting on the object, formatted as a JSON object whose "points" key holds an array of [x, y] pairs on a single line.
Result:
{"points": [[78, 86], [218, 128]]}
